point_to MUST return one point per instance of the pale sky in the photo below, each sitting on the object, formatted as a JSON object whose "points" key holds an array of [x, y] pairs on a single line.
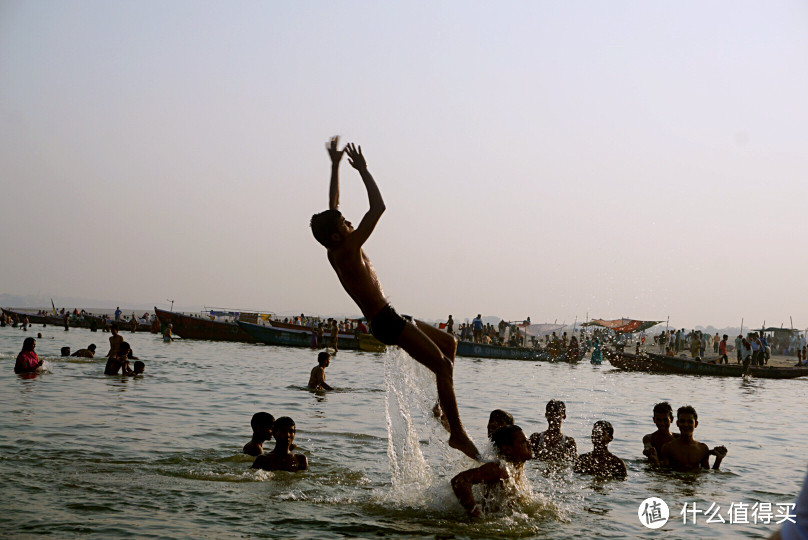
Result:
{"points": [[543, 159]]}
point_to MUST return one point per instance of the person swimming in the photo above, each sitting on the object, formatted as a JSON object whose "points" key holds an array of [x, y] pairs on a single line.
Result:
{"points": [[281, 458], [513, 448], [653, 442], [120, 361], [89, 352], [27, 359], [261, 423], [552, 445], [600, 462], [684, 453], [497, 419], [317, 376]]}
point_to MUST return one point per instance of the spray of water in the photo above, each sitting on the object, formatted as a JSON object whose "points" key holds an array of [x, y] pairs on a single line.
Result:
{"points": [[422, 463]]}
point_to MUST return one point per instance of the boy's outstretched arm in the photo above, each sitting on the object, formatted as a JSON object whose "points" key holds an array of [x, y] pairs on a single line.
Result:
{"points": [[463, 482], [336, 156], [368, 223]]}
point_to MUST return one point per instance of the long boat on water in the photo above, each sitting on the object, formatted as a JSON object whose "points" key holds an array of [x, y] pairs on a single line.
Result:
{"points": [[77, 321], [292, 335], [482, 350], [685, 366], [190, 327]]}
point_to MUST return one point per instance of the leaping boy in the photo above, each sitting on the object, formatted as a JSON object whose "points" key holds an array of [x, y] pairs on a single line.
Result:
{"points": [[427, 345]]}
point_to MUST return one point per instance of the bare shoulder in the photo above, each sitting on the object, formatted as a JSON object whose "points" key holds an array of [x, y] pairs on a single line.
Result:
{"points": [[302, 462], [262, 462]]}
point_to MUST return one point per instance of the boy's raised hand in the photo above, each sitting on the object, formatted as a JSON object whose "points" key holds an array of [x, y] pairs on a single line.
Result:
{"points": [[355, 157], [331, 146]]}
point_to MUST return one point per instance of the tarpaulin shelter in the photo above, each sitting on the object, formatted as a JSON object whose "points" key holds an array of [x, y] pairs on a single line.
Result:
{"points": [[622, 326]]}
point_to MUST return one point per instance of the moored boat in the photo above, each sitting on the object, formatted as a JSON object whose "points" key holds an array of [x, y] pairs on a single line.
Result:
{"points": [[481, 350], [296, 336], [633, 362], [188, 327], [686, 366]]}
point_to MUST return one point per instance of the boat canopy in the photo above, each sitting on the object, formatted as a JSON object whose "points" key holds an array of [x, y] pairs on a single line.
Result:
{"points": [[622, 326]]}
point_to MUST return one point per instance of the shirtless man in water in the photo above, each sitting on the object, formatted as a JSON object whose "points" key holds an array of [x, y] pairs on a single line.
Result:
{"points": [[427, 345]]}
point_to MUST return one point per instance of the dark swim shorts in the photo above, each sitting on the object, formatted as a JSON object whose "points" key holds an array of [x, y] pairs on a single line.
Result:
{"points": [[387, 325]]}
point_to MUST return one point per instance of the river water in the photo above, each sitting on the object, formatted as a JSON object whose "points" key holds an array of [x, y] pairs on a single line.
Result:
{"points": [[84, 454]]}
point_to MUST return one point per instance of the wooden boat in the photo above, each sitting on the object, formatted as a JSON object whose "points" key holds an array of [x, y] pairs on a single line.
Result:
{"points": [[481, 350], [77, 321], [297, 336], [188, 327], [673, 364], [632, 362]]}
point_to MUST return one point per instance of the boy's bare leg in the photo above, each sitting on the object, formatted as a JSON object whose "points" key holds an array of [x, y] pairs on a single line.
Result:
{"points": [[445, 342], [448, 346], [426, 352]]}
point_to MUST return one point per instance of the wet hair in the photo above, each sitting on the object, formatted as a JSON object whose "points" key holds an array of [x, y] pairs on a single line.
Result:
{"points": [[324, 224], [262, 421], [501, 417], [663, 408], [555, 406], [504, 436], [139, 367], [91, 347], [687, 409], [113, 326], [604, 427], [322, 357], [28, 344], [284, 422]]}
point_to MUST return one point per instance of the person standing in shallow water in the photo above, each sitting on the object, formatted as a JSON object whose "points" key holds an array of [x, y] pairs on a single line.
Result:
{"points": [[427, 345], [27, 360]]}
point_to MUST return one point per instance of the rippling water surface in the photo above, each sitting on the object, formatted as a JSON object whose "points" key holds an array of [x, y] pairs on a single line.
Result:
{"points": [[82, 453]]}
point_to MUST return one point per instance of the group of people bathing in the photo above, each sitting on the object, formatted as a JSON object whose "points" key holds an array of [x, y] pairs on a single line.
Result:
{"points": [[677, 451], [118, 357]]}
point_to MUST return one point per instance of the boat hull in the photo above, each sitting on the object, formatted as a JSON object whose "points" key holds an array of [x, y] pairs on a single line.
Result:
{"points": [[188, 327], [291, 337], [685, 366]]}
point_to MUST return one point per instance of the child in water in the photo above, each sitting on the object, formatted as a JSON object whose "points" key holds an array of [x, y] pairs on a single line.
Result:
{"points": [[281, 458], [600, 462], [497, 419], [261, 424], [552, 445], [512, 447], [653, 442], [684, 453]]}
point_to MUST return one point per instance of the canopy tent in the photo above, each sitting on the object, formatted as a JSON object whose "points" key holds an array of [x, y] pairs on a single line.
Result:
{"points": [[622, 326]]}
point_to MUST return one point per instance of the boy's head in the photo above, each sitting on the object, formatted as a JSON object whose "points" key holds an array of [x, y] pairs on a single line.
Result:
{"points": [[284, 430], [511, 444], [113, 328], [556, 411], [124, 348], [140, 367], [663, 415], [725, 337], [498, 419], [602, 433], [324, 359], [91, 347], [330, 227], [687, 419], [262, 423]]}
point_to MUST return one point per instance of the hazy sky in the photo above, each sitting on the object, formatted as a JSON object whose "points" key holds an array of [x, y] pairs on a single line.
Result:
{"points": [[542, 159]]}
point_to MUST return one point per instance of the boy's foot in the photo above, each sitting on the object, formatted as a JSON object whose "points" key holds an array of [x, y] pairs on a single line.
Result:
{"points": [[464, 444]]}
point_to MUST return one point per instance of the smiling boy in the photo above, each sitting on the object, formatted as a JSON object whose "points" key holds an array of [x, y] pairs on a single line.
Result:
{"points": [[684, 453]]}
